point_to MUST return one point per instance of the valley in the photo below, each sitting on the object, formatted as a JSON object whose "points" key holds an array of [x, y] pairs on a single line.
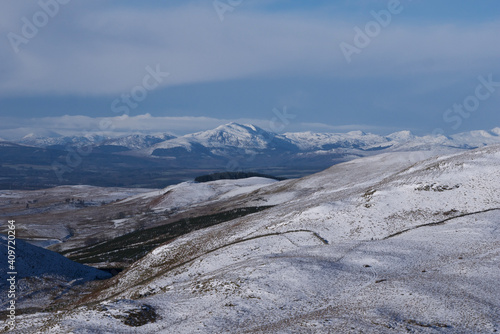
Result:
{"points": [[400, 241]]}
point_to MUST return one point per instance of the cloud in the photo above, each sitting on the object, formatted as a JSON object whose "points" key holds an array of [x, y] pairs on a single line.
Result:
{"points": [[98, 49], [106, 51], [321, 127]]}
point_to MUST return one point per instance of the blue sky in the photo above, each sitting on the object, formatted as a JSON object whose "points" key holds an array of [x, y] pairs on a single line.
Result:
{"points": [[245, 59]]}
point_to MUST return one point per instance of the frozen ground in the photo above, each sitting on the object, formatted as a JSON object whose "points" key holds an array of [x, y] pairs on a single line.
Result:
{"points": [[49, 217], [188, 194], [429, 280], [401, 242]]}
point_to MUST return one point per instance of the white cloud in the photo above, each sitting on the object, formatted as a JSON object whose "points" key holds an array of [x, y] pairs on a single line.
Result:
{"points": [[106, 52], [91, 48], [321, 127]]}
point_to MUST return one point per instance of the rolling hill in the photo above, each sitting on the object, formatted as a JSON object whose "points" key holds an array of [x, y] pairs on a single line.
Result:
{"points": [[403, 241]]}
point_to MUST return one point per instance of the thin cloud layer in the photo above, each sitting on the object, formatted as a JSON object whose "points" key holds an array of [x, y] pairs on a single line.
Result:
{"points": [[404, 71], [86, 49]]}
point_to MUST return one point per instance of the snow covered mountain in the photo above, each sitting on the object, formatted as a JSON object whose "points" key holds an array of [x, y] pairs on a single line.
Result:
{"points": [[477, 138], [398, 141], [309, 141], [232, 138], [55, 139], [165, 160], [138, 141], [131, 142], [242, 143], [396, 242], [225, 140]]}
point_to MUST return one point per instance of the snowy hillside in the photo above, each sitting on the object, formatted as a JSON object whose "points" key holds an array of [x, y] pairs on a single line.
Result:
{"points": [[33, 261], [477, 138], [70, 206], [42, 275], [188, 194], [390, 243]]}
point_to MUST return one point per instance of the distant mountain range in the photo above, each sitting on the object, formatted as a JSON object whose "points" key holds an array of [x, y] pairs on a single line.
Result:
{"points": [[228, 139], [128, 142], [229, 147]]}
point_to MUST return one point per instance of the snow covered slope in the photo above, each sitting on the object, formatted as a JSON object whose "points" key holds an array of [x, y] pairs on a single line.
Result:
{"points": [[61, 214], [477, 138], [137, 141], [354, 139], [33, 261], [189, 194], [45, 139], [391, 243], [42, 275]]}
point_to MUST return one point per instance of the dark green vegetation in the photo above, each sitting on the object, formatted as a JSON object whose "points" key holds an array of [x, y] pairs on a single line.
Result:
{"points": [[131, 247], [234, 176]]}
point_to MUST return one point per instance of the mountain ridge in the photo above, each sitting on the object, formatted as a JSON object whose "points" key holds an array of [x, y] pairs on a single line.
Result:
{"points": [[164, 159], [249, 136]]}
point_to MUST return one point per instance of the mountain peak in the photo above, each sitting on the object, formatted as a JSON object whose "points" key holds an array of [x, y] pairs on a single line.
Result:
{"points": [[29, 136], [233, 134], [496, 131], [401, 135], [239, 127]]}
